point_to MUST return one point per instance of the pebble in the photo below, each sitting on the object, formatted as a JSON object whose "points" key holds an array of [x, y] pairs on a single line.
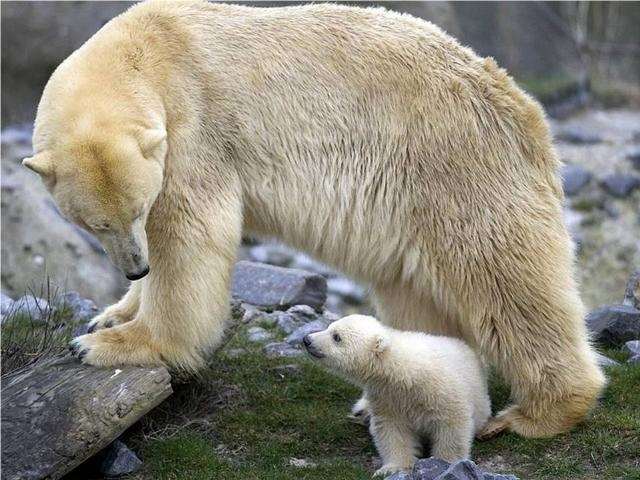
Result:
{"points": [[258, 335], [315, 326], [574, 178], [620, 185], [35, 308], [281, 349], [119, 461]]}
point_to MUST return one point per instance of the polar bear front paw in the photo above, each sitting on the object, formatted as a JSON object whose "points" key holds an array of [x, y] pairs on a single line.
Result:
{"points": [[106, 319], [120, 345], [388, 469]]}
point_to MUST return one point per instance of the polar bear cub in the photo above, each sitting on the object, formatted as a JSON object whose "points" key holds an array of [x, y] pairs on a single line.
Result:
{"points": [[417, 386]]}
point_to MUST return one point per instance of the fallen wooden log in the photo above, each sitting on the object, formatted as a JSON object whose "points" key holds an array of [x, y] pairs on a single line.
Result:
{"points": [[58, 413]]}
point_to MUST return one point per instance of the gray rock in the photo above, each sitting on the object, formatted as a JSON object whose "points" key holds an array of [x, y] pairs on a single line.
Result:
{"points": [[614, 325], [578, 135], [83, 309], [634, 157], [7, 303], [428, 468], [38, 243], [281, 349], [35, 308], [119, 461], [347, 289], [635, 360], [574, 178], [258, 335], [632, 347], [437, 469], [277, 288], [632, 292], [605, 361], [620, 185], [399, 476], [295, 338]]}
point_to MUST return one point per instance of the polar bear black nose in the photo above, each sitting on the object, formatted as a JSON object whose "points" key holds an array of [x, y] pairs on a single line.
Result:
{"points": [[306, 340], [139, 275]]}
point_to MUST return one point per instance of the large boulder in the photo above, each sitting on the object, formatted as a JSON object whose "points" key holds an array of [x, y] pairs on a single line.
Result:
{"points": [[39, 245]]}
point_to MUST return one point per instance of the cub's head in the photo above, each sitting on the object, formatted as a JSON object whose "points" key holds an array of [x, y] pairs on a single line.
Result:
{"points": [[351, 346], [105, 178]]}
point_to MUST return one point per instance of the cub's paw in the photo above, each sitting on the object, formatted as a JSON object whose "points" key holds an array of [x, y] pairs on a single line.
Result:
{"points": [[361, 412], [389, 469]]}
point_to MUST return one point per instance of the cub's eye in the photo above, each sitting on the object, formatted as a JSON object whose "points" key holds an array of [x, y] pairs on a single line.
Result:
{"points": [[337, 338]]}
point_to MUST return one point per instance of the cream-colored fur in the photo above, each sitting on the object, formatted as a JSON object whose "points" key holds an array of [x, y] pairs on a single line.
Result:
{"points": [[417, 386], [370, 139]]}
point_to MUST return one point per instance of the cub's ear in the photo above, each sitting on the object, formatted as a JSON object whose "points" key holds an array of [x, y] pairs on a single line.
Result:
{"points": [[380, 344], [153, 142], [40, 163]]}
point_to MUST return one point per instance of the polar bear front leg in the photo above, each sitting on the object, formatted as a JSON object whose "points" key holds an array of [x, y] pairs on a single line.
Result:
{"points": [[397, 444], [184, 300], [361, 410], [120, 312]]}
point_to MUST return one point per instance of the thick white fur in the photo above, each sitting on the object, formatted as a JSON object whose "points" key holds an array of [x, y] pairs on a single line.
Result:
{"points": [[417, 386], [370, 139]]}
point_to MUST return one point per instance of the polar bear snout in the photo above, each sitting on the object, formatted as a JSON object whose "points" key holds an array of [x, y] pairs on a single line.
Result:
{"points": [[139, 275], [311, 348]]}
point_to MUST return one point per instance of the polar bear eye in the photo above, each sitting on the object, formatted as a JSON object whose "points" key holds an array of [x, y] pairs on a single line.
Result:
{"points": [[337, 338]]}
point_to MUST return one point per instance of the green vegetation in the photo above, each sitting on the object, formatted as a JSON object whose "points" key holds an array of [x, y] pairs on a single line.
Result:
{"points": [[250, 416]]}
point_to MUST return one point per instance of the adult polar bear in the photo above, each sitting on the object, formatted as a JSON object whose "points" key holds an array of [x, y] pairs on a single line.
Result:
{"points": [[370, 139]]}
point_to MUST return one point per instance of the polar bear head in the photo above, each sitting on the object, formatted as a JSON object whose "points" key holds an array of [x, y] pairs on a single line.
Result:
{"points": [[102, 162], [352, 346]]}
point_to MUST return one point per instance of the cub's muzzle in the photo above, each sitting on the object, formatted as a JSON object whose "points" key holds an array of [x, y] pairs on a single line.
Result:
{"points": [[311, 349]]}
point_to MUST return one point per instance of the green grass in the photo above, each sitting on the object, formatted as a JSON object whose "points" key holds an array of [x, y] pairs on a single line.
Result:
{"points": [[246, 420]]}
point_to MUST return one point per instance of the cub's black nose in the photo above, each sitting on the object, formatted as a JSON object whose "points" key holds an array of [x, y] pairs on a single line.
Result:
{"points": [[306, 340], [139, 275]]}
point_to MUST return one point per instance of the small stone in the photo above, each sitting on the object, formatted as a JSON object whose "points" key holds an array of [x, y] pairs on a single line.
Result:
{"points": [[634, 157], [258, 335], [281, 349], [632, 347], [286, 371], [119, 461], [83, 309], [287, 322], [277, 288], [614, 324], [302, 463], [348, 290], [304, 312], [295, 338], [635, 360], [574, 178], [35, 308], [605, 361], [620, 185], [399, 476], [272, 254], [578, 136], [632, 292], [437, 469], [236, 352]]}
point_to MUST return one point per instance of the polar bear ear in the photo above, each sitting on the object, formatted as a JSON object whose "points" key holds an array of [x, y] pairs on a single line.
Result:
{"points": [[40, 163], [380, 344], [153, 141]]}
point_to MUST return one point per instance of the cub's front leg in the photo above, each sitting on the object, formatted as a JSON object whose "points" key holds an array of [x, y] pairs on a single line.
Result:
{"points": [[397, 444], [121, 312]]}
